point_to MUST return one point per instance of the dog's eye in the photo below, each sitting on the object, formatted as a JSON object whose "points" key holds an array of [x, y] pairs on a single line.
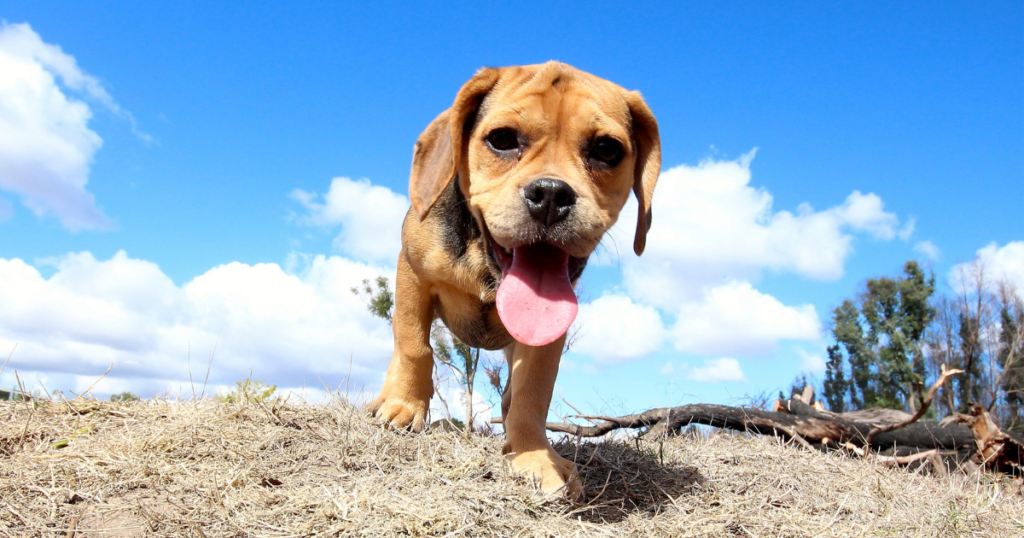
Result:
{"points": [[607, 150], [504, 139]]}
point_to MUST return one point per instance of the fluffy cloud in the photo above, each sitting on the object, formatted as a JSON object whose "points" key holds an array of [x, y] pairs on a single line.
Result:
{"points": [[710, 224], [46, 147], [928, 250], [716, 371], [370, 217], [998, 266], [812, 363], [615, 329], [287, 329], [737, 319]]}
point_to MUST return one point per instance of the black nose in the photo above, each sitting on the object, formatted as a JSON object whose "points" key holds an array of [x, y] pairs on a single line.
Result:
{"points": [[549, 200]]}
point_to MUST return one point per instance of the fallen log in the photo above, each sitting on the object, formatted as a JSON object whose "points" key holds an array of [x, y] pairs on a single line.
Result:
{"points": [[805, 424], [895, 437], [954, 442]]}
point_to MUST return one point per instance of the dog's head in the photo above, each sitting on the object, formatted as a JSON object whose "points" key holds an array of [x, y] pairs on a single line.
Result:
{"points": [[543, 153], [546, 156]]}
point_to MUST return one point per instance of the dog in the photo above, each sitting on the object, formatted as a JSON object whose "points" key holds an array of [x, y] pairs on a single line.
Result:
{"points": [[512, 189]]}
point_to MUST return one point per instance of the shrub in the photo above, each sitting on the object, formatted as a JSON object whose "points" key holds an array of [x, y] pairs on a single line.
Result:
{"points": [[249, 391]]}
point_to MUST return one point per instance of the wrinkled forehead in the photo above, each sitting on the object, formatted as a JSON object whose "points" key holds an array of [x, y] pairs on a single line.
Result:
{"points": [[558, 96]]}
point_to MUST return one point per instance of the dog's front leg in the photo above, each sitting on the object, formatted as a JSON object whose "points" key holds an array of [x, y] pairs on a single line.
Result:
{"points": [[532, 372], [408, 385]]}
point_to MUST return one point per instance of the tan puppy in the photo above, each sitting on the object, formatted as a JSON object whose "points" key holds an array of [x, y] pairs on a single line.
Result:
{"points": [[512, 189]]}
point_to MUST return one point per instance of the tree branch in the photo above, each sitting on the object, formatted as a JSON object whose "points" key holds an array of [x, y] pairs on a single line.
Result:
{"points": [[925, 404]]}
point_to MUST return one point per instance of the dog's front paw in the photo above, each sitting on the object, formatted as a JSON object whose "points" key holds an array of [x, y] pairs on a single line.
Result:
{"points": [[400, 413], [555, 473]]}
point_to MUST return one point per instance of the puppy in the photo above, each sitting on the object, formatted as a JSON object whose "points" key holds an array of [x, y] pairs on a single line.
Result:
{"points": [[512, 189]]}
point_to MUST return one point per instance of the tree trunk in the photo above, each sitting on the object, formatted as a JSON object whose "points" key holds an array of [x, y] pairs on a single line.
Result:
{"points": [[469, 408]]}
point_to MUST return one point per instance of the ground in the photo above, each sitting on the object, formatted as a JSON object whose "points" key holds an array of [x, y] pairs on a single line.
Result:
{"points": [[201, 468]]}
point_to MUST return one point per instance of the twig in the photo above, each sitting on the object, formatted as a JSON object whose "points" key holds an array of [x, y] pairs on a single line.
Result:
{"points": [[574, 408], [21, 387], [925, 404], [109, 368], [437, 392], [893, 460], [45, 390], [796, 437], [31, 413], [208, 366], [72, 528], [4, 367], [188, 358], [348, 376], [11, 509]]}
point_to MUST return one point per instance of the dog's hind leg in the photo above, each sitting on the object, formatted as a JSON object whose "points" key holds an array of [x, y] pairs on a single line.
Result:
{"points": [[408, 385], [531, 380]]}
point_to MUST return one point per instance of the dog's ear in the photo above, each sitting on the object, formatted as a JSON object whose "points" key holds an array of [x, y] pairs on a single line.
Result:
{"points": [[441, 147], [648, 164]]}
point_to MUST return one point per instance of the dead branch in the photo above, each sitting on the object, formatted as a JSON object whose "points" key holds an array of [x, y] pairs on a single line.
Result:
{"points": [[797, 418], [926, 402], [899, 439], [996, 449], [663, 421]]}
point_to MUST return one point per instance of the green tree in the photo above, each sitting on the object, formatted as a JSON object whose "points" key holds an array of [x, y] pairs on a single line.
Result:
{"points": [[835, 385], [380, 301], [882, 333], [848, 332], [798, 385], [124, 397]]}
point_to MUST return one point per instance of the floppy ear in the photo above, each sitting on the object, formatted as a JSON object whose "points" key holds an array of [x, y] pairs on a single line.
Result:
{"points": [[648, 164], [441, 147]]}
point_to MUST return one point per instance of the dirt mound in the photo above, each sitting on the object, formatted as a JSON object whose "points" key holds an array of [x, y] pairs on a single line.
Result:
{"points": [[201, 468]]}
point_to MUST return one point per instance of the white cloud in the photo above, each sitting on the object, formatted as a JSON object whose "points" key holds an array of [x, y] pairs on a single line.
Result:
{"points": [[717, 370], [711, 225], [287, 329], [812, 363], [46, 147], [999, 265], [864, 212], [928, 250], [737, 319], [370, 217], [614, 329]]}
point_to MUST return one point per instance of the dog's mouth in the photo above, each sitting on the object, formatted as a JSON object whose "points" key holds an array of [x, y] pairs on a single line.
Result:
{"points": [[535, 299]]}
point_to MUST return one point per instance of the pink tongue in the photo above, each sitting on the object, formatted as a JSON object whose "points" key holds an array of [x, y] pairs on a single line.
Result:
{"points": [[535, 299]]}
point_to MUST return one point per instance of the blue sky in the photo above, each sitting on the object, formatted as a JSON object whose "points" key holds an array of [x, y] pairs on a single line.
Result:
{"points": [[876, 127]]}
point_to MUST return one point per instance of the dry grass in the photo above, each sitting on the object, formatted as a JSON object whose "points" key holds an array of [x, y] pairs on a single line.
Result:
{"points": [[207, 469]]}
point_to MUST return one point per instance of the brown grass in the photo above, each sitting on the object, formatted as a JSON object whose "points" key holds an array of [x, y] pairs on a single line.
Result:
{"points": [[205, 469]]}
